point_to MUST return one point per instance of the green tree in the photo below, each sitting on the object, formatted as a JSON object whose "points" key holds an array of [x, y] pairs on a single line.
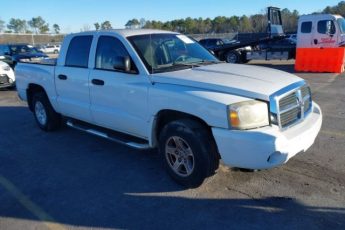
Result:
{"points": [[39, 25], [338, 9], [97, 26], [132, 24], [17, 25], [245, 25], [56, 28], [106, 25]]}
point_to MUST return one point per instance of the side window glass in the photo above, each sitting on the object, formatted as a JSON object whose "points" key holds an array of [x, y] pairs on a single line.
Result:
{"points": [[326, 27], [306, 27], [78, 52], [110, 54]]}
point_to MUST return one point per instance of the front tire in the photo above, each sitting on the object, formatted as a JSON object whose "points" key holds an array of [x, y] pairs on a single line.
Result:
{"points": [[188, 152], [233, 57], [45, 116]]}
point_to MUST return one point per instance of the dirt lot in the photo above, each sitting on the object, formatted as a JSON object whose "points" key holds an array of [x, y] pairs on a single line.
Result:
{"points": [[72, 180]]}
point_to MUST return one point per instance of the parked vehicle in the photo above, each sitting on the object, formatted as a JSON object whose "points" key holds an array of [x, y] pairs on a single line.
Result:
{"points": [[238, 56], [7, 79], [249, 49], [151, 88], [284, 49], [13, 53], [320, 42], [211, 43], [51, 49]]}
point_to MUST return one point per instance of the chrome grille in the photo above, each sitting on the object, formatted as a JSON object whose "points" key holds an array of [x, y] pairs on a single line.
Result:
{"points": [[293, 106]]}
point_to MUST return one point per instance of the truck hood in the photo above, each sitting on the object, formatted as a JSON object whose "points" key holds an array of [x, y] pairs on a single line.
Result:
{"points": [[242, 80]]}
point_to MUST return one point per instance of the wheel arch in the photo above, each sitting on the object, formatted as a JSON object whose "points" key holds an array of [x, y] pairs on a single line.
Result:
{"points": [[165, 116], [30, 92]]}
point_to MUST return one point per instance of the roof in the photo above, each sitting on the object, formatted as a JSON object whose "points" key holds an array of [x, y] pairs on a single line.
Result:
{"points": [[130, 32], [324, 16]]}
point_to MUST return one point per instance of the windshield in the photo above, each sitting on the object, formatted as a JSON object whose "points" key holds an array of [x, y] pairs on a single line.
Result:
{"points": [[169, 52], [341, 23], [23, 49]]}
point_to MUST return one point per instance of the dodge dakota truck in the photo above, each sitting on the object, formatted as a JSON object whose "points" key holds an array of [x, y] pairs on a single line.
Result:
{"points": [[159, 89]]}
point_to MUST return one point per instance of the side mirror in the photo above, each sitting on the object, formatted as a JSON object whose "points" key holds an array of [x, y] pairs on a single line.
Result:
{"points": [[123, 64], [127, 63], [2, 57]]}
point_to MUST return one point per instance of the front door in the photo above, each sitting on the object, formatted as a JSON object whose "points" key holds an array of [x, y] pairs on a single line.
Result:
{"points": [[325, 34], [118, 97]]}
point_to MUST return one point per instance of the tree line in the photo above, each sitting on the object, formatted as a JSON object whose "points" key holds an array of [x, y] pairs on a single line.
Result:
{"points": [[35, 25], [256, 23], [244, 24]]}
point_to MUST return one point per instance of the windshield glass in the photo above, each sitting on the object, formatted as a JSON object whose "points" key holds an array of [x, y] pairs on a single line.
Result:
{"points": [[341, 23], [23, 49], [169, 52]]}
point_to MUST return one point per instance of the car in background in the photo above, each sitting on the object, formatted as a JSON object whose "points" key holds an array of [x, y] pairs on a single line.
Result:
{"points": [[234, 56], [50, 49], [211, 43], [7, 78], [14, 53]]}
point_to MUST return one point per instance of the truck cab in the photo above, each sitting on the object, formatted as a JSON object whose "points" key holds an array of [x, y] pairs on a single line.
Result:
{"points": [[320, 41], [321, 31]]}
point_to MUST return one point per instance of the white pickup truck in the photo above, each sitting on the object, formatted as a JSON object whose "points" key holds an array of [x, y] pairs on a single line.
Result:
{"points": [[149, 88]]}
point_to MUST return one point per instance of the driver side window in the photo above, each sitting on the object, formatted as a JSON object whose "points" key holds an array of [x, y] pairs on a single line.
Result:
{"points": [[326, 27], [110, 54]]}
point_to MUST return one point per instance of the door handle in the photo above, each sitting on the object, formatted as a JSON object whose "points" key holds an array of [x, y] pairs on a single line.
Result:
{"points": [[316, 41], [97, 82], [62, 77]]}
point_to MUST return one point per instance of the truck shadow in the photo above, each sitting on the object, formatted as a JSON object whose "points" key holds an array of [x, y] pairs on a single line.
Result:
{"points": [[84, 181]]}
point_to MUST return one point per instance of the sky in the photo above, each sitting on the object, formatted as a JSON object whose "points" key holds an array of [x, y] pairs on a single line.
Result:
{"points": [[73, 15]]}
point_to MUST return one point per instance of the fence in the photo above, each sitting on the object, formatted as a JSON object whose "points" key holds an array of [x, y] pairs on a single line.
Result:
{"points": [[32, 39], [229, 36]]}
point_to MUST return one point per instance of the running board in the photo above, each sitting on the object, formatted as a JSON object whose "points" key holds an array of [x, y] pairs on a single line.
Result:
{"points": [[119, 138]]}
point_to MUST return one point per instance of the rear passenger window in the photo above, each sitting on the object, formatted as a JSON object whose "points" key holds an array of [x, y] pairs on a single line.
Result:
{"points": [[78, 52], [326, 27], [306, 27]]}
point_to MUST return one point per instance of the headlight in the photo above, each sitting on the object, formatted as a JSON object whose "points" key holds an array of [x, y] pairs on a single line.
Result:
{"points": [[248, 114]]}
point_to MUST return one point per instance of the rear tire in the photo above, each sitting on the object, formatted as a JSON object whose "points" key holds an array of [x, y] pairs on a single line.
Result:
{"points": [[188, 152], [45, 116]]}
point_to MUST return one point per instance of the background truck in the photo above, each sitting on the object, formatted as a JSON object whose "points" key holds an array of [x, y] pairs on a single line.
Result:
{"points": [[159, 89], [272, 45], [320, 43]]}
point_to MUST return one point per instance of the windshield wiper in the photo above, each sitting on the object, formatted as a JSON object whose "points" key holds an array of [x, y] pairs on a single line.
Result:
{"points": [[188, 64]]}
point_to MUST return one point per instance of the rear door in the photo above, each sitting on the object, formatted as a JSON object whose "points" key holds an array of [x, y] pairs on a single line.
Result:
{"points": [[305, 34], [72, 79]]}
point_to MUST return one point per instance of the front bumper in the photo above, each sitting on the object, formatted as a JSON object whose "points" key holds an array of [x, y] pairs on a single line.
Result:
{"points": [[6, 81], [267, 147]]}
